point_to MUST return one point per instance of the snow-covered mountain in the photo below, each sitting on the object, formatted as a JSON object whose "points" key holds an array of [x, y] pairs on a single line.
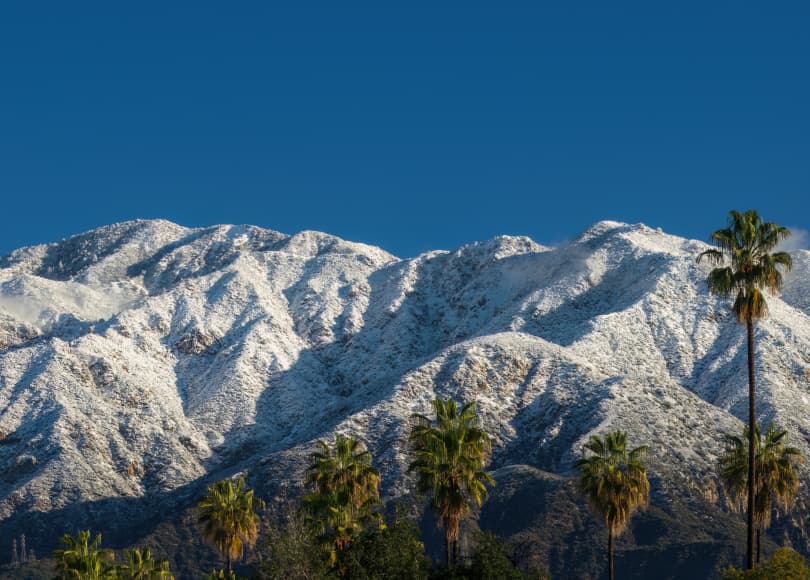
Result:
{"points": [[140, 360]]}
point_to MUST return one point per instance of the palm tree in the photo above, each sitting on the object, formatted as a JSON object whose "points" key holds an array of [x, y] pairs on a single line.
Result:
{"points": [[83, 559], [614, 481], [777, 477], [449, 464], [142, 566], [345, 490], [229, 519], [747, 242]]}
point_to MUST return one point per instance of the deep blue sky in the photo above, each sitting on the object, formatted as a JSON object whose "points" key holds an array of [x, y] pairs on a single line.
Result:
{"points": [[413, 125]]}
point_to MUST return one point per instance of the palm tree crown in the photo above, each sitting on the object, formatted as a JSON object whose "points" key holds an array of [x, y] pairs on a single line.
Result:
{"points": [[229, 518], [142, 566], [83, 558], [614, 482], [449, 464], [747, 242], [345, 490], [777, 479]]}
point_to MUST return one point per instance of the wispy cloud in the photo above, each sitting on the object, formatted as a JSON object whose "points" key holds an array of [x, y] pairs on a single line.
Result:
{"points": [[799, 240]]}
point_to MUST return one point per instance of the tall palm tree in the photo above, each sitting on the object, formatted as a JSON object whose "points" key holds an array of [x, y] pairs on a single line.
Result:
{"points": [[142, 566], [229, 518], [450, 455], [777, 477], [345, 490], [614, 481], [83, 559], [747, 242]]}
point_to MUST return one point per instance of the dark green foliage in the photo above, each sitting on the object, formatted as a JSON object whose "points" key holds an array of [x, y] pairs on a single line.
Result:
{"points": [[490, 560], [393, 551], [291, 551], [785, 564]]}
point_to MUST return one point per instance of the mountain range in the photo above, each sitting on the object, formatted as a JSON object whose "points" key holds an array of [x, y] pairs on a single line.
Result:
{"points": [[141, 361]]}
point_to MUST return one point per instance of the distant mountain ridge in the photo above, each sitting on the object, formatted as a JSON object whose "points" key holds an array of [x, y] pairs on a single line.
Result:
{"points": [[140, 360]]}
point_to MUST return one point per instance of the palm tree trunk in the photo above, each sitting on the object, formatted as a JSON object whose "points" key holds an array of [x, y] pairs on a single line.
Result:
{"points": [[228, 562], [455, 551], [447, 548], [752, 424], [610, 554], [759, 546]]}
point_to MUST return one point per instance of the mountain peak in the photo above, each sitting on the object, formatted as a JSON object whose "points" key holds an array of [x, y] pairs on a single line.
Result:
{"points": [[314, 243], [501, 246]]}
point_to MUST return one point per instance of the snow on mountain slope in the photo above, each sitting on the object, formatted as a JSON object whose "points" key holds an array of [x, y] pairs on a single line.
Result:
{"points": [[138, 358]]}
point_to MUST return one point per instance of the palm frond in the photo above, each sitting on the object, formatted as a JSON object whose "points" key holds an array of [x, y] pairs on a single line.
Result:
{"points": [[746, 243], [228, 515], [613, 480], [345, 491], [449, 454], [777, 480]]}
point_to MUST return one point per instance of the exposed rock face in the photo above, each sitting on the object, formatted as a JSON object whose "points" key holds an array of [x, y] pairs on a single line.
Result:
{"points": [[140, 360]]}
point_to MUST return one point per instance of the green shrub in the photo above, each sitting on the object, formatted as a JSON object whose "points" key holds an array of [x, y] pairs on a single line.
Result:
{"points": [[393, 551], [785, 564], [292, 551], [490, 560]]}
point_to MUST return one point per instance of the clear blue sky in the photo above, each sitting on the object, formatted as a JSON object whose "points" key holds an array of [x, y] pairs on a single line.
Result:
{"points": [[411, 125]]}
